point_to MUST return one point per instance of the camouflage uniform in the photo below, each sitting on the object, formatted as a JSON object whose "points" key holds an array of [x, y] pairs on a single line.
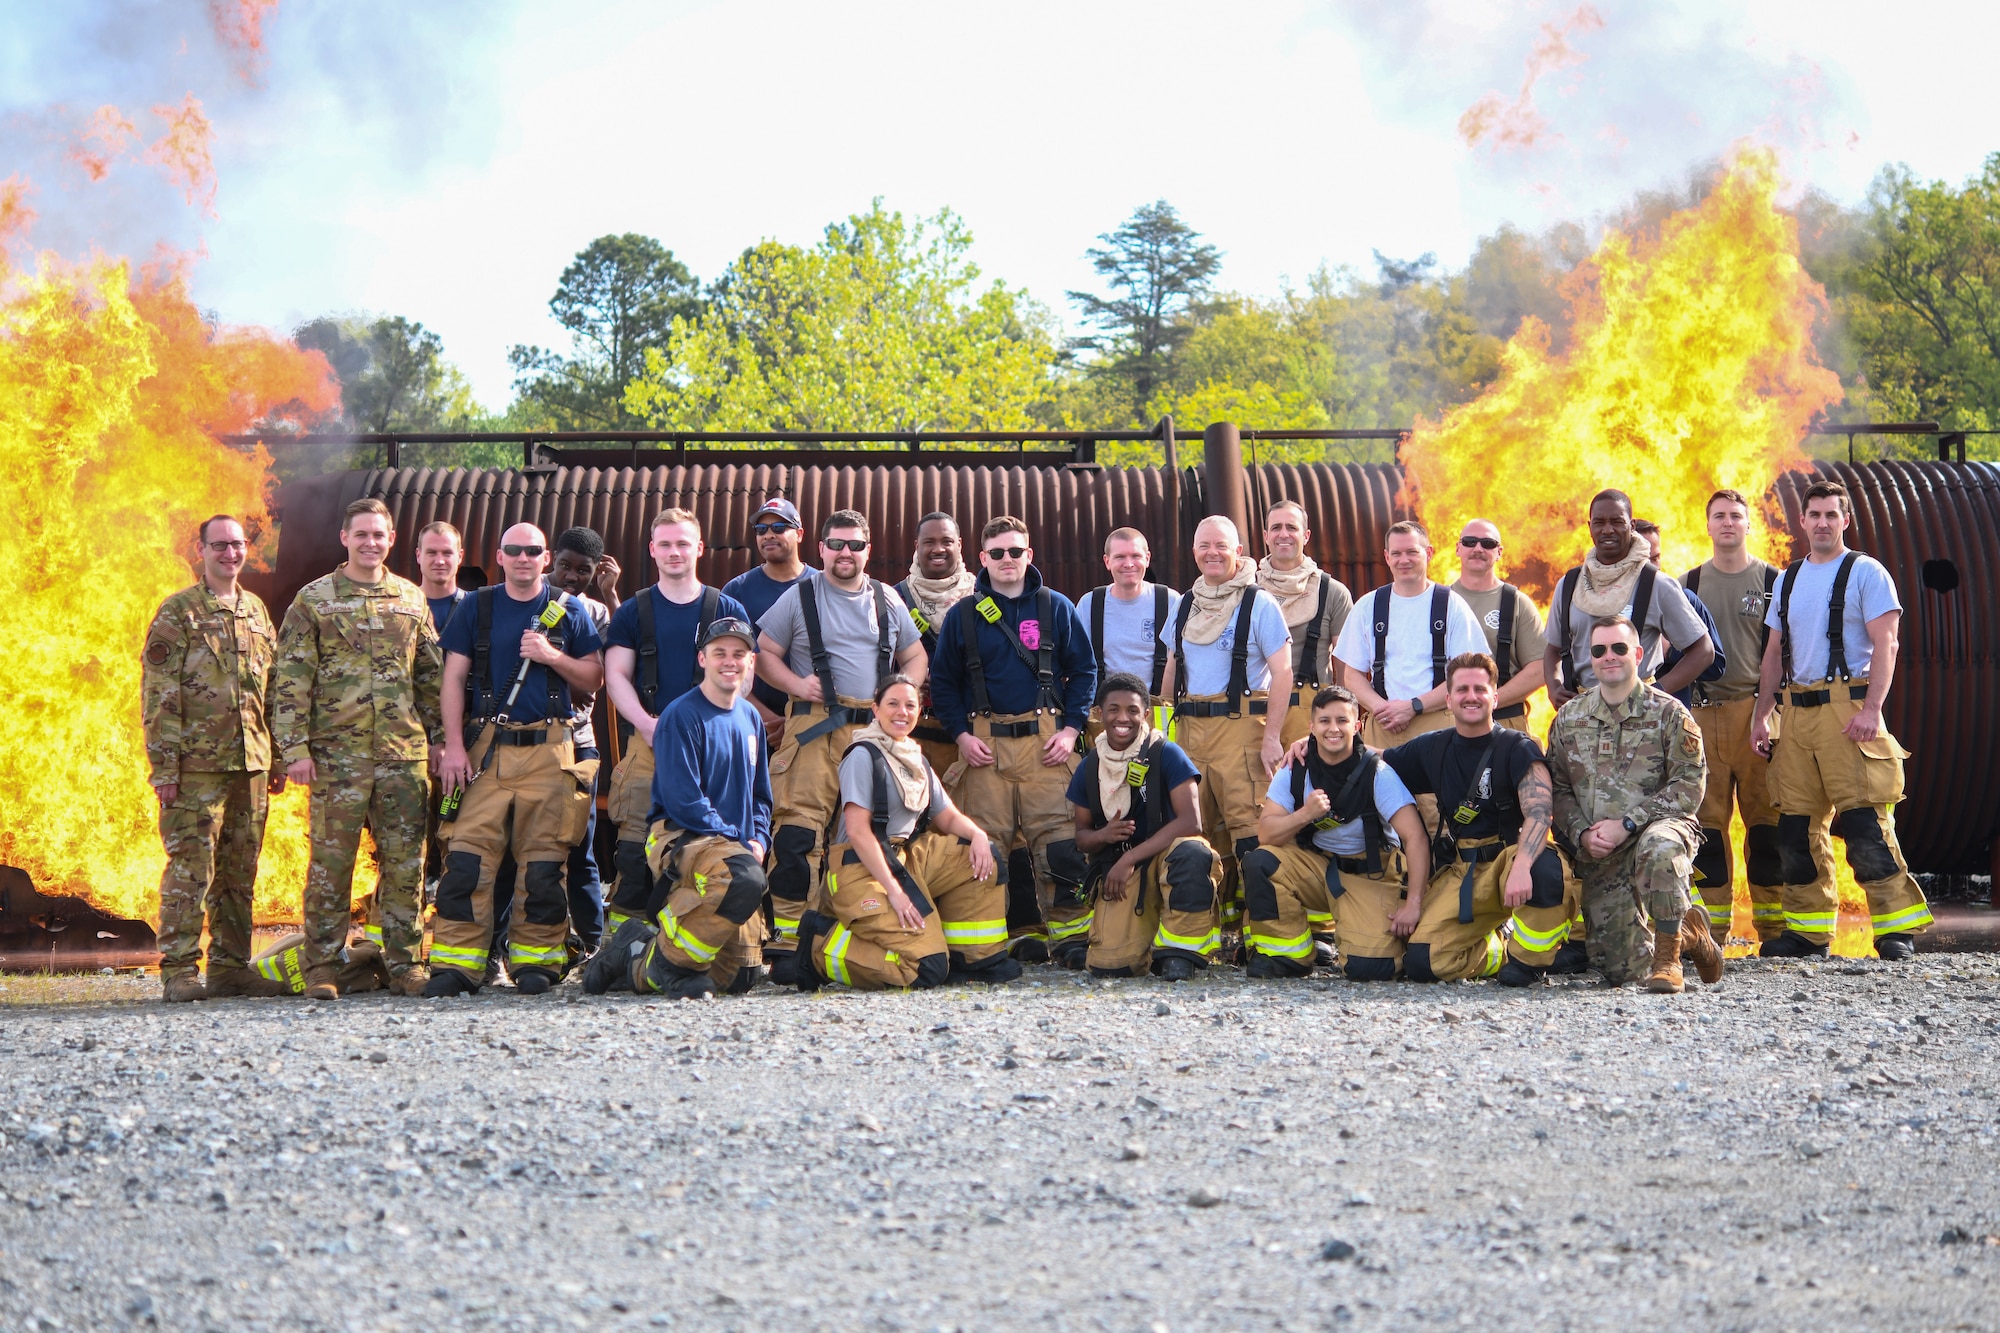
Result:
{"points": [[356, 690], [1640, 760], [205, 680]]}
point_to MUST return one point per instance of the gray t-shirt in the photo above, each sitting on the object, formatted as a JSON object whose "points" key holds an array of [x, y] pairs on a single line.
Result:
{"points": [[857, 787], [1668, 614], [1870, 593], [1339, 604], [1738, 604], [1129, 631], [847, 627], [1527, 624]]}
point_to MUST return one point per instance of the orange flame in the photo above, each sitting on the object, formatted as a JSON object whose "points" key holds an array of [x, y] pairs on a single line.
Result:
{"points": [[111, 389], [1690, 369], [184, 151], [15, 215], [1519, 124], [239, 25], [103, 137]]}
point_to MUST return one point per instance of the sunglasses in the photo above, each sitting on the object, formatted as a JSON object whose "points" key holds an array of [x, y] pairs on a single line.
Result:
{"points": [[765, 529], [1006, 552], [1483, 543], [515, 548], [855, 544], [1600, 649]]}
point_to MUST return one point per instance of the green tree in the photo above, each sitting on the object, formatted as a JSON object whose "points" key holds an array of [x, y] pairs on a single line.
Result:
{"points": [[881, 326], [1157, 268], [619, 299]]}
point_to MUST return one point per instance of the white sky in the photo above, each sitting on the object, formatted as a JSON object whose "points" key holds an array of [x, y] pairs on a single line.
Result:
{"points": [[445, 166]]}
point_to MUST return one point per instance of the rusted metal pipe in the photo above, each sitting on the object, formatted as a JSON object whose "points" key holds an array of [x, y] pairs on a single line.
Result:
{"points": [[1222, 459], [1174, 567]]}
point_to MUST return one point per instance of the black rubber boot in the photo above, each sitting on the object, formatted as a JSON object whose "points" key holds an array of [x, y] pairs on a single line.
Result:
{"points": [[1070, 954], [1898, 948], [531, 981], [1791, 944], [610, 968], [995, 970], [445, 984], [1263, 967], [1517, 975], [784, 966], [1029, 949], [804, 972], [1174, 968], [1571, 959]]}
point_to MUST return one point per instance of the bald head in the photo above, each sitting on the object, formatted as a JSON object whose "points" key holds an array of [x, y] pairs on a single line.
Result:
{"points": [[523, 557], [1478, 555], [1217, 545]]}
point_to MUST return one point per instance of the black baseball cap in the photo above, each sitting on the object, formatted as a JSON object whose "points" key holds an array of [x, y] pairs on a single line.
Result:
{"points": [[729, 627]]}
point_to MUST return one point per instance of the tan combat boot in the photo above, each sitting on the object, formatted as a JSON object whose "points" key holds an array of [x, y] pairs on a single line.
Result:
{"points": [[187, 986], [1665, 978], [231, 981], [1701, 946], [412, 980], [322, 983]]}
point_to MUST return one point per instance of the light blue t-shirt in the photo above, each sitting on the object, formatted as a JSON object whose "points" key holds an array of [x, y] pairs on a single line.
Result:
{"points": [[1208, 663], [1348, 839], [1870, 593], [1129, 630]]}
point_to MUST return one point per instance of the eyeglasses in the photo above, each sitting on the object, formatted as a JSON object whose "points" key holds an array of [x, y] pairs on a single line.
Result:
{"points": [[1006, 552], [1600, 649], [766, 529], [220, 547], [518, 549], [1483, 543], [855, 544]]}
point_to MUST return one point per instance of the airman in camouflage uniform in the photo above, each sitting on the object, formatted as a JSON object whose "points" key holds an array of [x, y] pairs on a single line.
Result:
{"points": [[204, 681], [1627, 775], [355, 710]]}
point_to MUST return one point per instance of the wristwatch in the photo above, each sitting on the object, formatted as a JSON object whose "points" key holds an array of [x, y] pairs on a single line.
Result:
{"points": [[1416, 707], [1630, 827]]}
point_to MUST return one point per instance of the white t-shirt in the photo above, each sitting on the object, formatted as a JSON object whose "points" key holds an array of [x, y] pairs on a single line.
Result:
{"points": [[1409, 639], [1870, 593], [1129, 631], [1348, 839]]}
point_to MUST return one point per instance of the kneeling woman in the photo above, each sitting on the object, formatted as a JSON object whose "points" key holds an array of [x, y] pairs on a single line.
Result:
{"points": [[915, 892]]}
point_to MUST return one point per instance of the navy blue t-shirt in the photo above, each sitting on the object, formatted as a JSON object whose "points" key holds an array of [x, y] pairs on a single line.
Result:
{"points": [[1175, 767], [511, 620], [442, 607], [674, 628], [758, 591], [712, 771]]}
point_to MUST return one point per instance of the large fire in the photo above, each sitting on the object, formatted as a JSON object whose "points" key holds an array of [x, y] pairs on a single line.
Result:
{"points": [[112, 387]]}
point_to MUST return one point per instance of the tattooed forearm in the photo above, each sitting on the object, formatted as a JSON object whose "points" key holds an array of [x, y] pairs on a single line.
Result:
{"points": [[1536, 810]]}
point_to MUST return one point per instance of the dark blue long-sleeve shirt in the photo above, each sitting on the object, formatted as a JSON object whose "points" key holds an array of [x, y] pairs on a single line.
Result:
{"points": [[712, 772], [1010, 682]]}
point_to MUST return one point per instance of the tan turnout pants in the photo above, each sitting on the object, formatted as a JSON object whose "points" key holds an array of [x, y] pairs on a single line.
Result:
{"points": [[1019, 799], [1229, 752], [805, 796], [629, 804], [710, 924], [1444, 948], [870, 949], [1289, 899], [534, 799]]}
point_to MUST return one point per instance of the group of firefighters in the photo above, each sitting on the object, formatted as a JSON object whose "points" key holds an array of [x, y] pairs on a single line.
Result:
{"points": [[822, 776]]}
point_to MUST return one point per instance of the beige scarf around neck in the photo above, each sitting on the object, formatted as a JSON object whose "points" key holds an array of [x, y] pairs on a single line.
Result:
{"points": [[1296, 590], [935, 597], [906, 765], [1113, 792], [1606, 590], [1215, 604]]}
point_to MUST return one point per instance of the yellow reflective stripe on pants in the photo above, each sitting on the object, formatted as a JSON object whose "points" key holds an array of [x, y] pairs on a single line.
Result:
{"points": [[1298, 946], [521, 955], [1720, 915], [1810, 923], [837, 941], [374, 934], [1166, 939], [456, 956], [978, 932], [1318, 918], [1538, 941], [1058, 930], [670, 929], [1763, 912], [1496, 953], [613, 920], [1908, 918]]}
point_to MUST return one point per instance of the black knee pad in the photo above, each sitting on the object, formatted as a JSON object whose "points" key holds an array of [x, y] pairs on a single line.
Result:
{"points": [[1417, 963], [1795, 849], [455, 886], [1545, 879], [1374, 969], [1068, 867], [1189, 885], [666, 977], [1242, 848], [635, 878], [548, 895], [746, 888], [1260, 898], [1762, 864], [932, 969], [1711, 859], [745, 978], [1867, 850], [791, 876], [1001, 861]]}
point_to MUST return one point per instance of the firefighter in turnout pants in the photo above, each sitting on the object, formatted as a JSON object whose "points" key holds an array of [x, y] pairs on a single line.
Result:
{"points": [[512, 655], [1137, 864], [1627, 775], [828, 642], [1508, 616], [1501, 896], [1232, 656], [649, 661], [906, 872], [1125, 617], [1836, 614], [1314, 603], [205, 677], [938, 581], [711, 822], [1013, 686], [1343, 847], [354, 709]]}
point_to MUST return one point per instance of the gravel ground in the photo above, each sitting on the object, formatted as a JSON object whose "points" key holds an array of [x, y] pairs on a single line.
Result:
{"points": [[1809, 1144]]}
